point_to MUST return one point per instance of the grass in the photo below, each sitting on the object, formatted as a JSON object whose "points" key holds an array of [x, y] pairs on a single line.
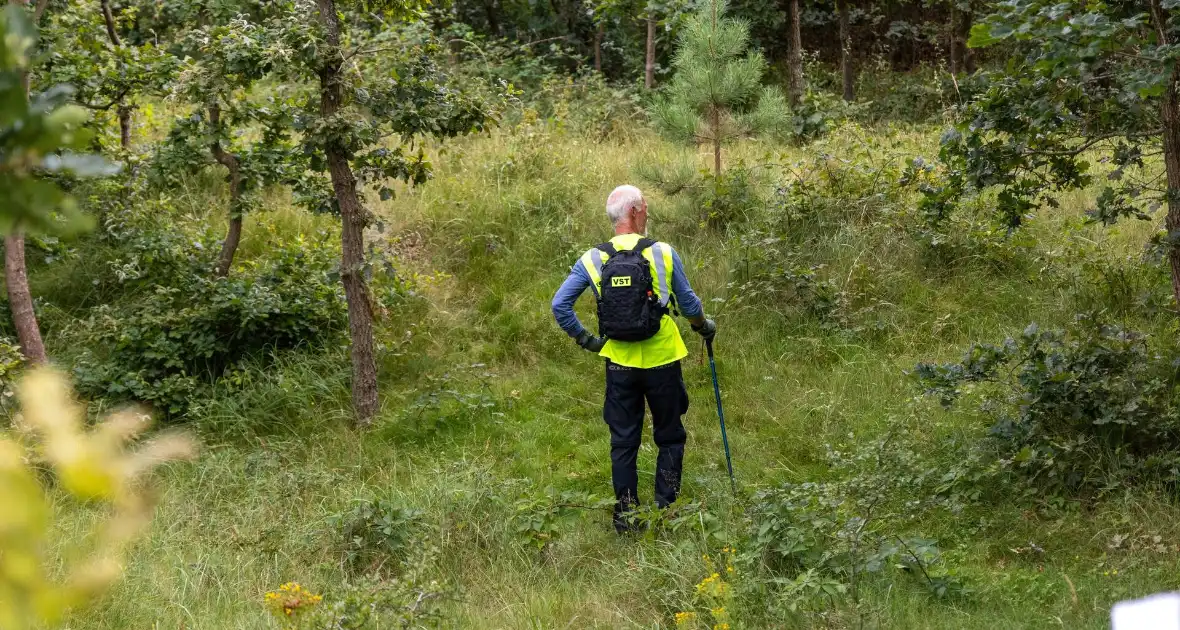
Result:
{"points": [[518, 409]]}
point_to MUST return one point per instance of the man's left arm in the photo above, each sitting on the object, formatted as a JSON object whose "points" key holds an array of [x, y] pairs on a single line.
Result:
{"points": [[686, 298]]}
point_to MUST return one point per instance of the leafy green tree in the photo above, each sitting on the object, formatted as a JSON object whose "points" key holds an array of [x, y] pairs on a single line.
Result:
{"points": [[605, 13], [716, 94], [1090, 80], [218, 81], [668, 15], [109, 66], [37, 133], [364, 128]]}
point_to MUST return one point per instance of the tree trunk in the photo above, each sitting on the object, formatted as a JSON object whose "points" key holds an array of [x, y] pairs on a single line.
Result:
{"points": [[846, 52], [716, 123], [598, 47], [1170, 115], [958, 43], [16, 275], [795, 55], [489, 11], [966, 20], [354, 218], [108, 17], [1171, 119], [233, 235], [125, 126], [649, 74], [20, 300]]}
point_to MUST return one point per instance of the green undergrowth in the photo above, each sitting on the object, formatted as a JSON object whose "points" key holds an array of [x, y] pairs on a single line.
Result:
{"points": [[482, 485]]}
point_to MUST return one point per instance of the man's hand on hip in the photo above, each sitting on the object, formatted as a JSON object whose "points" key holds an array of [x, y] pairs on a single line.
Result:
{"points": [[590, 342]]}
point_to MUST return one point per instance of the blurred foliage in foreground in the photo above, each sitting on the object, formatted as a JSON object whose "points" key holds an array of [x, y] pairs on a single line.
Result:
{"points": [[50, 452]]}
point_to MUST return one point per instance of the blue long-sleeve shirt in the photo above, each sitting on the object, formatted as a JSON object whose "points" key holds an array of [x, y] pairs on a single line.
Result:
{"points": [[579, 280]]}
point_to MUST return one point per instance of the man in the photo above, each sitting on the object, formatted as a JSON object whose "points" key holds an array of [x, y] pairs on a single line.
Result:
{"points": [[637, 282]]}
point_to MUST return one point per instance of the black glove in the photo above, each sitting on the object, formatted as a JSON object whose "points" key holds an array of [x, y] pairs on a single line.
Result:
{"points": [[708, 330], [590, 342]]}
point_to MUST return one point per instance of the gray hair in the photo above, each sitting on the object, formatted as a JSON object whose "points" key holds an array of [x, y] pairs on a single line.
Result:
{"points": [[621, 200]]}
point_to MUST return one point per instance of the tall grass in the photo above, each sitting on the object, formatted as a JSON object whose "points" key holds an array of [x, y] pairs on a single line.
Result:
{"points": [[486, 401]]}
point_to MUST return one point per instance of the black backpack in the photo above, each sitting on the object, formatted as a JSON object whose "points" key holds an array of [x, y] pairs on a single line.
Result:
{"points": [[628, 307]]}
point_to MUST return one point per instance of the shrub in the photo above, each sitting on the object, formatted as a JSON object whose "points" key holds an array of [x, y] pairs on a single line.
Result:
{"points": [[376, 533], [443, 403], [1122, 288], [731, 199], [952, 231], [774, 275], [816, 114], [12, 363], [1077, 411], [922, 95], [537, 519], [189, 329], [585, 104], [827, 193], [812, 544], [410, 601]]}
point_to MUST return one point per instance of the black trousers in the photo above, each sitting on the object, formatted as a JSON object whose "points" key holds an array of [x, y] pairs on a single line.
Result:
{"points": [[626, 391]]}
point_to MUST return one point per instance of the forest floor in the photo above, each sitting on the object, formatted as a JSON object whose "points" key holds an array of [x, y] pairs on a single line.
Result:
{"points": [[488, 407]]}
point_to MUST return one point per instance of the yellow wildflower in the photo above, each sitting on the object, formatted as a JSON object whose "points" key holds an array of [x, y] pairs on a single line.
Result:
{"points": [[291, 599], [685, 618]]}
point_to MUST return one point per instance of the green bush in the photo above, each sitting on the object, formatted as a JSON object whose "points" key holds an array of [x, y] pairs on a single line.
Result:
{"points": [[925, 94], [731, 199], [375, 533], [821, 195], [816, 114], [190, 328], [413, 600], [775, 276], [813, 545], [586, 104], [1078, 411]]}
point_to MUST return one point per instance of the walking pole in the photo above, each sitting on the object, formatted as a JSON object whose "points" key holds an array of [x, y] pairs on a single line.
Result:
{"points": [[721, 416]]}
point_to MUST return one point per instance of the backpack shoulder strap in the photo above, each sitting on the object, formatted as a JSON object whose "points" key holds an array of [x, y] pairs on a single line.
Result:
{"points": [[607, 248], [643, 244]]}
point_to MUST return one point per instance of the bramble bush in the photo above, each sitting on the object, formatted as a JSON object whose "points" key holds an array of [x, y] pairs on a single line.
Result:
{"points": [[731, 199], [1080, 411], [812, 546], [411, 600], [537, 519], [376, 533]]}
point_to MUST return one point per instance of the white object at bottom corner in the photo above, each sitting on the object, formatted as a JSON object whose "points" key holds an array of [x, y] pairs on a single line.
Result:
{"points": [[1155, 612]]}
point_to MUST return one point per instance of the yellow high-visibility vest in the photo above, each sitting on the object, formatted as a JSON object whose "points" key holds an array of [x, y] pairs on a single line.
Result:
{"points": [[666, 345]]}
